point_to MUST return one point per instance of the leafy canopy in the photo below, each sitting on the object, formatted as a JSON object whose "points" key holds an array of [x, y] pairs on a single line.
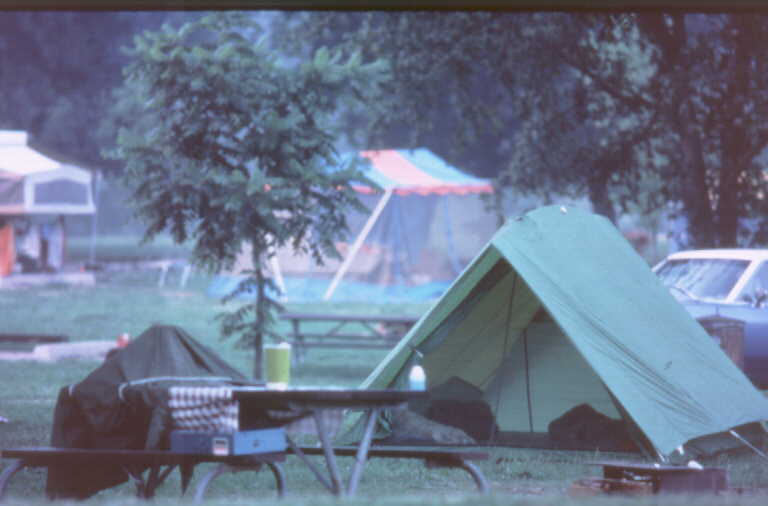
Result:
{"points": [[648, 111], [224, 144]]}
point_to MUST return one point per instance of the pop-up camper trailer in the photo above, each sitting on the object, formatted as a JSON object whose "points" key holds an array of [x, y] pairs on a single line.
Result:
{"points": [[36, 192], [559, 312]]}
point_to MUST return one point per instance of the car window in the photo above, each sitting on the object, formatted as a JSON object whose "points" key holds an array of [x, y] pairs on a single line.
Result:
{"points": [[757, 284], [702, 278]]}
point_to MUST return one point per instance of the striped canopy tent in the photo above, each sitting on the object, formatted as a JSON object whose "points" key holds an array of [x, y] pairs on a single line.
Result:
{"points": [[420, 172], [425, 222]]}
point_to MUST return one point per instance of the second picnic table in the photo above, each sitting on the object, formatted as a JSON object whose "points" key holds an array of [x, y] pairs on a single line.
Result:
{"points": [[347, 331]]}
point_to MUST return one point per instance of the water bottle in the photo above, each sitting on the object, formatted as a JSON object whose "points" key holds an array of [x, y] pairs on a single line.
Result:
{"points": [[417, 380]]}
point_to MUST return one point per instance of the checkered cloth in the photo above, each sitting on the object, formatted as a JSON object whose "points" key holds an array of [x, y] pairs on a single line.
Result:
{"points": [[204, 409], [213, 409]]}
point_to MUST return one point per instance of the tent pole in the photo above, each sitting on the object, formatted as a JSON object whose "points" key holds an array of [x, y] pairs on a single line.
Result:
{"points": [[372, 219], [527, 380], [747, 443], [506, 350]]}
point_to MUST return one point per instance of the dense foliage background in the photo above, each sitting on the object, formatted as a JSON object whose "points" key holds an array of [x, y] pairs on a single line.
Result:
{"points": [[657, 115]]}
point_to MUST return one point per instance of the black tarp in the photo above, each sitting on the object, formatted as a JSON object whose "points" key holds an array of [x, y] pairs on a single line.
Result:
{"points": [[99, 412]]}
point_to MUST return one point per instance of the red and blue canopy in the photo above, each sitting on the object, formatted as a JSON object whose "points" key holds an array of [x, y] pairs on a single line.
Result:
{"points": [[418, 171]]}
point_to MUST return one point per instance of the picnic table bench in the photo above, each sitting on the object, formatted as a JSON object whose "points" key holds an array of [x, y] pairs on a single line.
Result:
{"points": [[33, 338], [19, 342], [138, 462], [135, 462], [371, 331]]}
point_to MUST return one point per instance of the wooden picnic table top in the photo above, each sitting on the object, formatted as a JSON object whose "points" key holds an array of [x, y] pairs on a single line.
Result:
{"points": [[405, 319], [326, 397]]}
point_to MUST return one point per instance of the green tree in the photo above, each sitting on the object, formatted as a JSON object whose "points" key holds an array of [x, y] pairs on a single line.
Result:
{"points": [[453, 73], [653, 109], [226, 144], [710, 88], [603, 105], [675, 100], [585, 130], [500, 94]]}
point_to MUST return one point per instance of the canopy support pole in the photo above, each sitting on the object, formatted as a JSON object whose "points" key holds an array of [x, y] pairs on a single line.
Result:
{"points": [[372, 219], [276, 272], [274, 266], [94, 218]]}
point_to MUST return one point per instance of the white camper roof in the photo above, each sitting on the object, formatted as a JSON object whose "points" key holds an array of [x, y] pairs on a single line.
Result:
{"points": [[32, 183]]}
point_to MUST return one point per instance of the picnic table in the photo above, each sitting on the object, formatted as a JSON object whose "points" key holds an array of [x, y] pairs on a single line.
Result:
{"points": [[315, 403], [347, 331]]}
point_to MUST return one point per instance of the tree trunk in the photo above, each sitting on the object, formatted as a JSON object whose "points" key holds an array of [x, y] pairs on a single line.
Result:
{"points": [[669, 32], [695, 191], [497, 204], [258, 339], [728, 205], [599, 197], [728, 220], [735, 143]]}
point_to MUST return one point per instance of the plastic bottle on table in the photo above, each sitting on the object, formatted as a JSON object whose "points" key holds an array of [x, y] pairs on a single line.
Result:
{"points": [[417, 379]]}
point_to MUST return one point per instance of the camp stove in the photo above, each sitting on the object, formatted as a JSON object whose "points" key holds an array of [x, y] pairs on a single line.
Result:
{"points": [[241, 442]]}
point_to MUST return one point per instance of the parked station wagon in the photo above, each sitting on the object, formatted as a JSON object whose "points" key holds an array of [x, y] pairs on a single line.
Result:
{"points": [[729, 283]]}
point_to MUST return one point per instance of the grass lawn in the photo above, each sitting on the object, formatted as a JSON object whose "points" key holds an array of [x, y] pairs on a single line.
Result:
{"points": [[116, 248], [126, 302]]}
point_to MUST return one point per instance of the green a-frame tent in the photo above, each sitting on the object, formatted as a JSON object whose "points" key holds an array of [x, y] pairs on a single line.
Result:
{"points": [[612, 337]]}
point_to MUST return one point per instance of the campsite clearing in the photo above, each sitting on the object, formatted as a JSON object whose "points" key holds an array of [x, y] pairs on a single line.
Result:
{"points": [[131, 303]]}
